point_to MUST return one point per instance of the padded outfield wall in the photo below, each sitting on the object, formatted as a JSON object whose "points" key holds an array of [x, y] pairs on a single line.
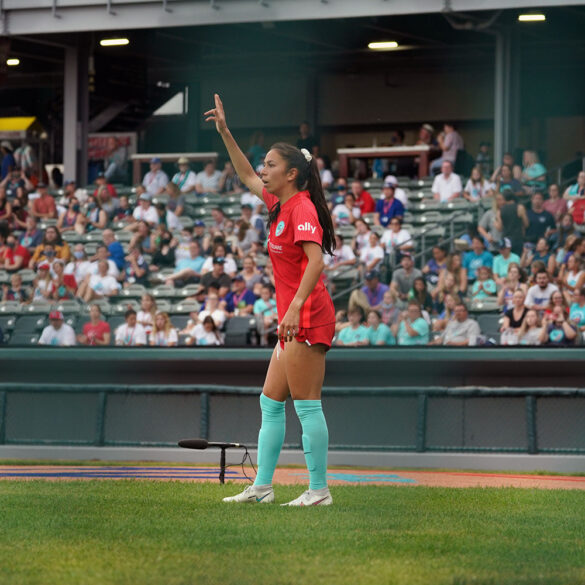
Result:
{"points": [[422, 400]]}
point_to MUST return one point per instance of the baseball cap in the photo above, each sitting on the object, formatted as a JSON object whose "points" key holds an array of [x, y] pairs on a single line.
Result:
{"points": [[239, 278], [69, 182], [246, 206], [428, 128], [56, 315], [44, 266], [144, 197], [154, 159], [390, 181], [405, 254], [182, 161], [505, 243], [372, 274], [218, 260], [101, 175], [199, 223]]}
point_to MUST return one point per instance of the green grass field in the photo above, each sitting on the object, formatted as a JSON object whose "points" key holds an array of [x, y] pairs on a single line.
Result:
{"points": [[171, 533]]}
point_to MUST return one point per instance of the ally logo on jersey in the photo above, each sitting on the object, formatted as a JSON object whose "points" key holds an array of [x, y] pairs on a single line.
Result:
{"points": [[307, 227]]}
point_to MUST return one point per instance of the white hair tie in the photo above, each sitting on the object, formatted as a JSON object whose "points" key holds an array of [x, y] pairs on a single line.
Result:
{"points": [[308, 156]]}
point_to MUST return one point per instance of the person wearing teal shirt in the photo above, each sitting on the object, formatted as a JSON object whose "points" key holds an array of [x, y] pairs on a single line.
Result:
{"points": [[578, 189], [503, 260], [355, 333], [413, 329], [577, 311], [378, 333], [484, 286], [478, 256], [534, 173]]}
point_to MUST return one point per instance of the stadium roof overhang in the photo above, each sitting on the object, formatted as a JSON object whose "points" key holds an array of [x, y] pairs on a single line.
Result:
{"points": [[25, 17]]}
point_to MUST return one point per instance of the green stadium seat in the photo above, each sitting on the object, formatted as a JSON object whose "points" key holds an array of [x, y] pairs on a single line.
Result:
{"points": [[187, 291], [27, 275], [7, 323], [180, 320], [68, 307], [486, 305], [161, 198], [20, 339], [73, 237], [93, 236], [186, 221], [163, 291], [133, 290], [30, 324], [163, 305], [239, 331], [103, 304], [10, 308], [122, 306], [186, 306], [37, 307], [4, 277]]}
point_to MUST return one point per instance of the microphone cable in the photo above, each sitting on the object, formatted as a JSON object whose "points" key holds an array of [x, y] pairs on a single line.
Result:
{"points": [[242, 462]]}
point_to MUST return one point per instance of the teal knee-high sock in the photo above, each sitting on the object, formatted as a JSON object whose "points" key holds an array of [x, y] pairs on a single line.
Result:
{"points": [[315, 441], [270, 438]]}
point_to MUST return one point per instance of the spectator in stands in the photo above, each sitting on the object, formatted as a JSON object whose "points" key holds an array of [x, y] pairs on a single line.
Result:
{"points": [[257, 150], [507, 159], [46, 255], [557, 299], [399, 193], [14, 256], [163, 333], [447, 313], [136, 268], [116, 161], [16, 182], [63, 286], [208, 179], [342, 256], [213, 309], [565, 229], [446, 287], [483, 160], [123, 213], [556, 330], [143, 237], [555, 204], [5, 207], [503, 261], [578, 210], [96, 331], [505, 181], [240, 300], [511, 284], [396, 238], [219, 219], [355, 334], [206, 333], [219, 250], [144, 211], [115, 248], [541, 223], [538, 253], [347, 212], [246, 235], [403, 278], [372, 256], [57, 333], [511, 221], [131, 333], [455, 267], [164, 255], [15, 291], [388, 310], [147, 312], [166, 218], [255, 220], [325, 174], [265, 312], [378, 333], [577, 310], [185, 179], [513, 318], [105, 195], [476, 257], [95, 217], [43, 207], [450, 142], [529, 332], [539, 294], [571, 276], [32, 237], [426, 136], [176, 202], [388, 207], [79, 267], [338, 193], [99, 286], [447, 184], [307, 140], [533, 173], [419, 294], [374, 290], [42, 283], [412, 328], [363, 199], [484, 286], [102, 254], [487, 224], [229, 182], [433, 267], [535, 268], [69, 220], [577, 190], [477, 187], [250, 272], [217, 276], [156, 179], [361, 238], [189, 269], [461, 330]]}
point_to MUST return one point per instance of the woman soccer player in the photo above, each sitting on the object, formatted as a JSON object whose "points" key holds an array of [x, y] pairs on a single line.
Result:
{"points": [[300, 230]]}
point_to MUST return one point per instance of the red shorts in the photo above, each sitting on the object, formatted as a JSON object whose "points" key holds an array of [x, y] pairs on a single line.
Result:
{"points": [[312, 335]]}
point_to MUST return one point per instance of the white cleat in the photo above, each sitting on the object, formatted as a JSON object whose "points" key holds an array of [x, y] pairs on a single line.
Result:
{"points": [[313, 498], [253, 495]]}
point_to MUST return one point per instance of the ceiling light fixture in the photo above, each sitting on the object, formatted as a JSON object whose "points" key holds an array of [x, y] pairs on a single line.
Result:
{"points": [[533, 17], [114, 42], [383, 45], [12, 62]]}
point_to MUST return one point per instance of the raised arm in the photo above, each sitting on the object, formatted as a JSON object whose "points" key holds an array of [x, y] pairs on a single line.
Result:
{"points": [[241, 163]]}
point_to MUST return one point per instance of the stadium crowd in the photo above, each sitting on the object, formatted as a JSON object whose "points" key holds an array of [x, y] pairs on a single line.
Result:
{"points": [[197, 239]]}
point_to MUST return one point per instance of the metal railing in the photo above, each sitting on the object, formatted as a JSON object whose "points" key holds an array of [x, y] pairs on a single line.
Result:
{"points": [[558, 174]]}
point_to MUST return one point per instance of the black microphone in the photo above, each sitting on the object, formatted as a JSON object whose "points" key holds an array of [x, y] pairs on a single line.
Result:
{"points": [[203, 444]]}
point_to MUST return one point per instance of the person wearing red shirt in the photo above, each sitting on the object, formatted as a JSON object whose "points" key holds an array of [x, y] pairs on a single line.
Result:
{"points": [[43, 207], [300, 231], [96, 331], [14, 256], [363, 199], [578, 211]]}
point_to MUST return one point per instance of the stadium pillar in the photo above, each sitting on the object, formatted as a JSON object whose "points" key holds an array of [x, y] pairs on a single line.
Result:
{"points": [[507, 94], [76, 113]]}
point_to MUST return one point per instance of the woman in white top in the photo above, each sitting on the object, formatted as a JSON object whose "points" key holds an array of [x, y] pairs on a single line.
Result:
{"points": [[147, 312], [206, 333], [212, 309], [373, 254], [42, 283], [529, 333], [342, 255], [477, 187], [347, 212], [131, 333], [572, 277], [361, 238], [396, 238], [163, 333], [511, 285], [219, 251]]}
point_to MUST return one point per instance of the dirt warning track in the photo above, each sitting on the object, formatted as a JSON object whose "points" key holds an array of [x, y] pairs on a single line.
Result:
{"points": [[353, 476]]}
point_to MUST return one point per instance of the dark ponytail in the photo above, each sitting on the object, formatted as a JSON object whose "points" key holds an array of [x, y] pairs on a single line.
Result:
{"points": [[308, 179]]}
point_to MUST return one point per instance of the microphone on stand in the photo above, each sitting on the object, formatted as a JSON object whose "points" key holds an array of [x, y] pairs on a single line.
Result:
{"points": [[204, 444]]}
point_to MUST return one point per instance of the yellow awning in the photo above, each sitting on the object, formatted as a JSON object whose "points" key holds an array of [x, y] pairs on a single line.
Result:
{"points": [[19, 124]]}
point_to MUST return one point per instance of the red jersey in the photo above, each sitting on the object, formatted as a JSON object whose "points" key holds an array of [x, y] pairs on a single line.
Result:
{"points": [[296, 223], [93, 332], [365, 202]]}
